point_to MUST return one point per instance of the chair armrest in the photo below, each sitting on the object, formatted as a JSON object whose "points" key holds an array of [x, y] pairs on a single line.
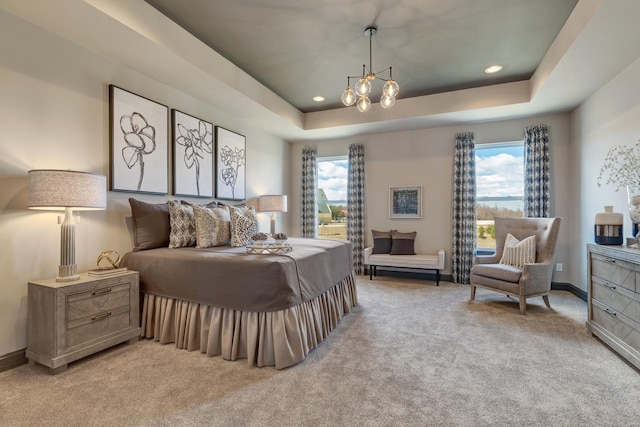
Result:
{"points": [[537, 277]]}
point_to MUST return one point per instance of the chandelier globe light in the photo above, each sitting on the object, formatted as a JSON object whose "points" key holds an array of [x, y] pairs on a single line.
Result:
{"points": [[359, 95]]}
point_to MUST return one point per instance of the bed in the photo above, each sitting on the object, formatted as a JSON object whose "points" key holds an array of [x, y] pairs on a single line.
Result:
{"points": [[271, 310]]}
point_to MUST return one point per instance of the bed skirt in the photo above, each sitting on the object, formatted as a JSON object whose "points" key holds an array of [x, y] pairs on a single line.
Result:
{"points": [[278, 338]]}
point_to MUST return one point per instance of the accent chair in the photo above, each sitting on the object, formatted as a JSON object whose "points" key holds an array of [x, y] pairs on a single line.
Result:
{"points": [[507, 271]]}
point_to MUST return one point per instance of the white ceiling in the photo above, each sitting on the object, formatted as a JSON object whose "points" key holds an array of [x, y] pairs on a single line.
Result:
{"points": [[597, 41]]}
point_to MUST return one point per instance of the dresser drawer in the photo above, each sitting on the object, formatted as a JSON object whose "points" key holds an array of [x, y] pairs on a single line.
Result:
{"points": [[618, 298], [617, 324], [98, 300], [615, 271], [98, 325]]}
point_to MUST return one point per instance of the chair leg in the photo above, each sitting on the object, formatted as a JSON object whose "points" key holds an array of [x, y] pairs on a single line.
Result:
{"points": [[523, 304], [473, 292], [546, 300]]}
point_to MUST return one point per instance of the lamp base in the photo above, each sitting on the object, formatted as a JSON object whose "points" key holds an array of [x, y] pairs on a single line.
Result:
{"points": [[273, 223], [68, 273]]}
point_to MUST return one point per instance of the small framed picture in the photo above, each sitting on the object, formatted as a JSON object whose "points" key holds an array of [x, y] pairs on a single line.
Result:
{"points": [[192, 156], [139, 139], [405, 202], [231, 159]]}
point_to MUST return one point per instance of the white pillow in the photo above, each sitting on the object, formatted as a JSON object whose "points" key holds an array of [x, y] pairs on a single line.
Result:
{"points": [[212, 226], [183, 225], [244, 224], [518, 253]]}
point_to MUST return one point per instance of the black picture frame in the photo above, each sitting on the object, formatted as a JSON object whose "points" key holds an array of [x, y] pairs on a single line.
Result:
{"points": [[138, 139], [231, 156], [192, 152]]}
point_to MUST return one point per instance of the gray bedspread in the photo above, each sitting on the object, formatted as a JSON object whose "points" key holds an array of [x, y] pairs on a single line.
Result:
{"points": [[228, 277]]}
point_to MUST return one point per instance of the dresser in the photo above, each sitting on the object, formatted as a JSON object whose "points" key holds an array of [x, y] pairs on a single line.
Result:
{"points": [[614, 298], [71, 320]]}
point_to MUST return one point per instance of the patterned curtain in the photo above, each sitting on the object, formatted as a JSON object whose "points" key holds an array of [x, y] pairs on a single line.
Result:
{"points": [[537, 196], [309, 207], [464, 207], [355, 205]]}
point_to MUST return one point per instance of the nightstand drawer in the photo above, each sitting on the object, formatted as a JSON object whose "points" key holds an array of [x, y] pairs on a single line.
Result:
{"points": [[97, 300], [618, 298], [100, 325]]}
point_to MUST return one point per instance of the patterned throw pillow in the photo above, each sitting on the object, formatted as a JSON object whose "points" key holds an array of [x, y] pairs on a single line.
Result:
{"points": [[244, 224], [212, 226], [518, 252], [183, 225]]}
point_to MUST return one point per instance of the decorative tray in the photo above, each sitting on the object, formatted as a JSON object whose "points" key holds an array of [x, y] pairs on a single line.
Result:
{"points": [[271, 248]]}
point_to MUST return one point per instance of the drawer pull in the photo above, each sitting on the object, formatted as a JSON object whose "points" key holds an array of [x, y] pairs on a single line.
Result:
{"points": [[610, 260], [609, 285], [101, 316], [612, 313], [101, 291]]}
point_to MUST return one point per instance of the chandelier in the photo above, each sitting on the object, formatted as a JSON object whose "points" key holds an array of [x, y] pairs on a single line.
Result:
{"points": [[360, 94]]}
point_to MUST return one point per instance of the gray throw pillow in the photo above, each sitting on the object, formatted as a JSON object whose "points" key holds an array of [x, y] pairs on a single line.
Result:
{"points": [[381, 242], [403, 243], [151, 225]]}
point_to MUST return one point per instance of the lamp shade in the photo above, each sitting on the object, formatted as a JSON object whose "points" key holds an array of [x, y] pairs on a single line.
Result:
{"points": [[59, 189], [272, 203]]}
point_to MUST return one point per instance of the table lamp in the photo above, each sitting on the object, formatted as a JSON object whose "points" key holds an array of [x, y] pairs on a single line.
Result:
{"points": [[272, 203], [67, 190]]}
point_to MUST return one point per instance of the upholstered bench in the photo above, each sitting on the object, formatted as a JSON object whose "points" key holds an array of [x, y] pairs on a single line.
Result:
{"points": [[423, 262]]}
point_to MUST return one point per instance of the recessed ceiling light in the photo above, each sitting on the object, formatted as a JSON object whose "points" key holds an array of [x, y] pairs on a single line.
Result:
{"points": [[493, 69], [318, 98]]}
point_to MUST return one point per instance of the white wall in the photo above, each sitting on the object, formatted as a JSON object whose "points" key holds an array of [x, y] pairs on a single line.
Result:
{"points": [[54, 113], [425, 157], [608, 118]]}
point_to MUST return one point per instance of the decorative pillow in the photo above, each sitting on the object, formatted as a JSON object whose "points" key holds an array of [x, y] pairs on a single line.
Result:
{"points": [[151, 225], [212, 204], [518, 252], [381, 242], [212, 226], [183, 225], [403, 243], [244, 224]]}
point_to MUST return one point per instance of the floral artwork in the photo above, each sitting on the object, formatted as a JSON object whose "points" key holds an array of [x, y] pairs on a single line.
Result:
{"points": [[140, 137], [139, 156], [192, 156], [621, 166], [230, 165]]}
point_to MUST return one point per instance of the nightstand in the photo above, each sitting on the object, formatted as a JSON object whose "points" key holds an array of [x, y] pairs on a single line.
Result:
{"points": [[71, 320]]}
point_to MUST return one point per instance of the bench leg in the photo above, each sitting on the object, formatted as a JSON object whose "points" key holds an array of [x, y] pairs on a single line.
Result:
{"points": [[370, 272], [437, 277]]}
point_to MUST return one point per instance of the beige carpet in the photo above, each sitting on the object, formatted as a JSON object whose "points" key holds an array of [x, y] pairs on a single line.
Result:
{"points": [[410, 354]]}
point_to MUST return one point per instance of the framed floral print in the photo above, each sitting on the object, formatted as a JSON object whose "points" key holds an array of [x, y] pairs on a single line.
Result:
{"points": [[192, 155], [230, 164], [405, 202], [139, 130]]}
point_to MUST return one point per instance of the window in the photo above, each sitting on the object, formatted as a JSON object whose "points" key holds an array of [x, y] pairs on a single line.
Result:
{"points": [[332, 197], [499, 188]]}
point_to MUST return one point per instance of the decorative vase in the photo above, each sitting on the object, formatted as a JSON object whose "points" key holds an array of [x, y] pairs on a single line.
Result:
{"points": [[633, 195], [608, 227]]}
